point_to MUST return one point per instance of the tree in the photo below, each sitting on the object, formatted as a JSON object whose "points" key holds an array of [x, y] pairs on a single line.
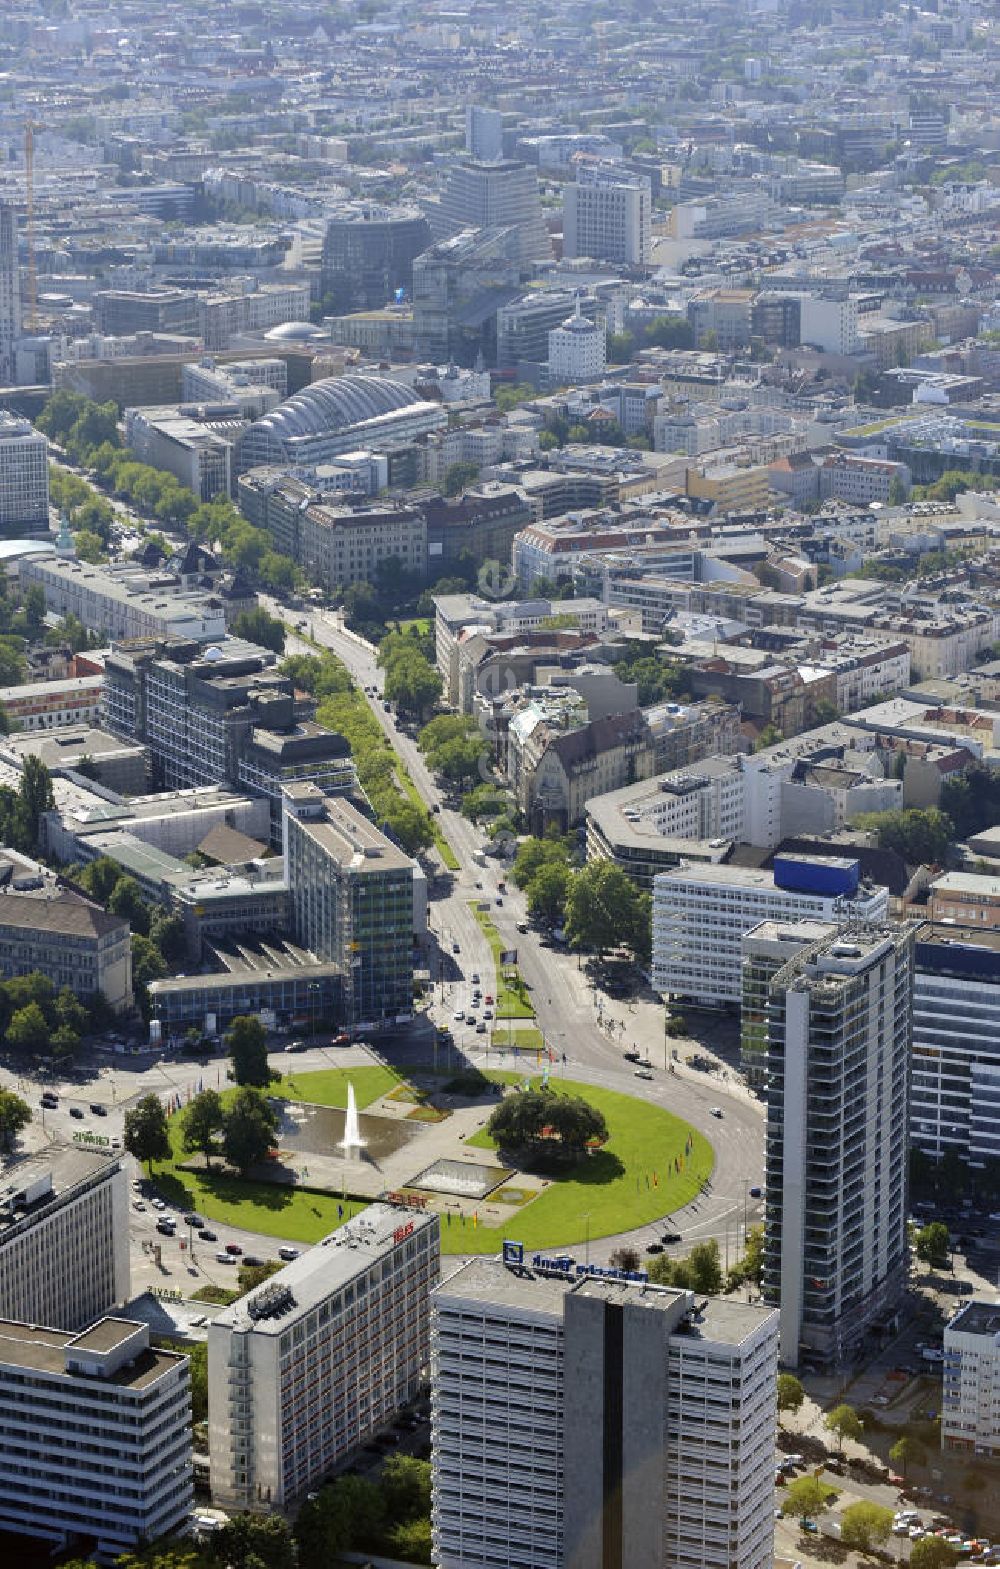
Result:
{"points": [[547, 893], [406, 1487], [147, 962], [342, 1514], [533, 854], [254, 1542], [166, 933], [843, 1421], [625, 1258], [931, 1552], [790, 1392], [99, 877], [65, 1042], [411, 1541], [248, 1129], [808, 1495], [907, 1451], [540, 1120], [705, 1268], [604, 908], [920, 837], [202, 1122], [146, 1135], [246, 1042], [865, 1525], [933, 1245], [126, 900], [457, 476], [412, 682], [15, 1114], [257, 626], [28, 1030], [34, 798]]}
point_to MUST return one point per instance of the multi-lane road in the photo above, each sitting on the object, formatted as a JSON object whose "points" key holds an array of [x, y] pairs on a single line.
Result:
{"points": [[566, 1005]]}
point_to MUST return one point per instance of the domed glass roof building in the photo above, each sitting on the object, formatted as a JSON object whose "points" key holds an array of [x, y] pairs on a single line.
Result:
{"points": [[338, 414]]}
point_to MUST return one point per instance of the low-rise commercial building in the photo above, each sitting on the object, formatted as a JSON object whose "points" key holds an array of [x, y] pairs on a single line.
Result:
{"points": [[64, 1256], [95, 1443], [44, 705], [306, 1368]]}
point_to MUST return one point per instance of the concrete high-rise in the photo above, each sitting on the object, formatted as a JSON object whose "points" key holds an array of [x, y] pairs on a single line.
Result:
{"points": [[10, 292], [588, 1420], [63, 1238], [495, 196], [484, 134], [303, 1370], [838, 1062], [607, 214], [24, 474]]}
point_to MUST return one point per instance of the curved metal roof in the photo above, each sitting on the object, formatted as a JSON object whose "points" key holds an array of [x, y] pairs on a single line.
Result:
{"points": [[335, 404]]}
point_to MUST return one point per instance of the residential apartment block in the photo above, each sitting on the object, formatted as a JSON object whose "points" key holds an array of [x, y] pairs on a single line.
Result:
{"points": [[63, 1238], [838, 1058], [306, 1368], [95, 1443], [586, 1421]]}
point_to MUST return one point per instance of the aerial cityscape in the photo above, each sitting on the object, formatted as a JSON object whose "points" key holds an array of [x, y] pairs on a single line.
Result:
{"points": [[499, 784]]}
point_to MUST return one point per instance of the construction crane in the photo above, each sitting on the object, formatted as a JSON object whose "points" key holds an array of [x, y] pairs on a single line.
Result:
{"points": [[29, 185]]}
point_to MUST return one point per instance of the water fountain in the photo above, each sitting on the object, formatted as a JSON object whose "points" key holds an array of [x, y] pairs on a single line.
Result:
{"points": [[352, 1143]]}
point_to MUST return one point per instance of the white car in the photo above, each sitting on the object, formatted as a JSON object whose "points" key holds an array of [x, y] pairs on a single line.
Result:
{"points": [[459, 1014], [715, 1111], [158, 1204], [138, 1204]]}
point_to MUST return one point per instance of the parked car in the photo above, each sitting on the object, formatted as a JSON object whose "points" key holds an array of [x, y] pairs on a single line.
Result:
{"points": [[756, 1193], [166, 1225], [295, 1046], [288, 1253], [224, 1258], [77, 1112], [643, 1073], [191, 1219], [234, 1248], [98, 1109]]}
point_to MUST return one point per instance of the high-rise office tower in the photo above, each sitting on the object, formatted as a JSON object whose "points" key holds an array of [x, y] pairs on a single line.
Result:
{"points": [[64, 1256], [495, 196], [607, 215], [24, 476], [592, 1421], [839, 1027], [484, 134], [304, 1369], [10, 292]]}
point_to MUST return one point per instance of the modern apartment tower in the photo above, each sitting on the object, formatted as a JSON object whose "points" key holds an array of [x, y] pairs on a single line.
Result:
{"points": [[607, 214], [95, 1442], [351, 895], [589, 1420], [303, 1370], [63, 1238], [10, 292], [503, 194], [838, 1062]]}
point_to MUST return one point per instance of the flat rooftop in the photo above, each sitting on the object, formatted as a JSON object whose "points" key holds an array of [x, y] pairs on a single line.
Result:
{"points": [[56, 1175], [36, 1350], [325, 1268], [977, 1318], [716, 1319]]}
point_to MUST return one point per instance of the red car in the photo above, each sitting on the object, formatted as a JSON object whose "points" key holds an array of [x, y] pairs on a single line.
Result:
{"points": [[343, 1039], [233, 1247]]}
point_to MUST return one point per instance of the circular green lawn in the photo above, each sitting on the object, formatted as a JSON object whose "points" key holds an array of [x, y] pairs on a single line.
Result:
{"points": [[653, 1164]]}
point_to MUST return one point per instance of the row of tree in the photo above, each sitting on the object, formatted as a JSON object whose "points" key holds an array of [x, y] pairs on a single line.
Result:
{"points": [[88, 433], [343, 708], [411, 680], [454, 746], [598, 905]]}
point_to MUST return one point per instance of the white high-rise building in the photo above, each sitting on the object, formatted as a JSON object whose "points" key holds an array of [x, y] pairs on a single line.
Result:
{"points": [[577, 351], [838, 1063], [701, 914], [24, 477], [970, 1401], [10, 292], [303, 1370], [607, 214], [584, 1419], [95, 1441], [63, 1238]]}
